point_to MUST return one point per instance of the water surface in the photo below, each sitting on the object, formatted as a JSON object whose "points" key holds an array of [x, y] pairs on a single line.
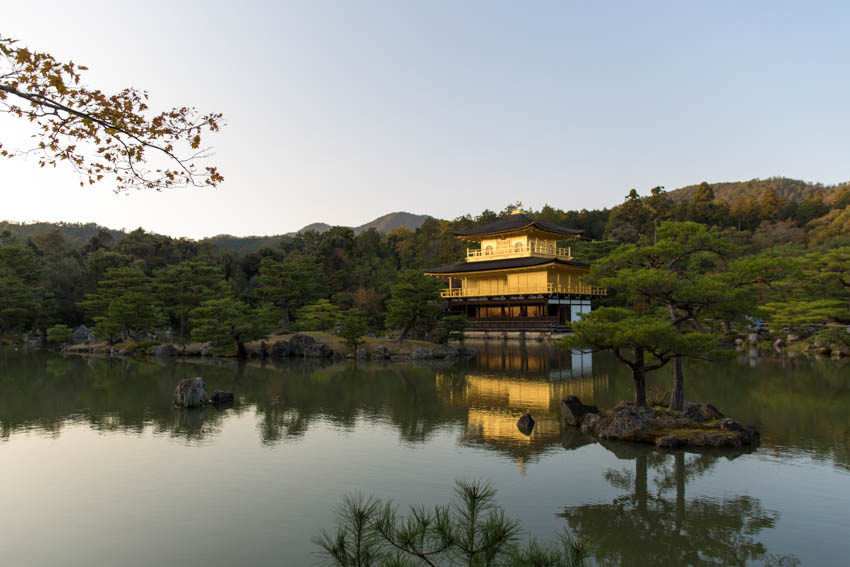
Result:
{"points": [[97, 469]]}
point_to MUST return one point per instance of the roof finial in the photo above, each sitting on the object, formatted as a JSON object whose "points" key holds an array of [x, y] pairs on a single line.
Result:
{"points": [[517, 211]]}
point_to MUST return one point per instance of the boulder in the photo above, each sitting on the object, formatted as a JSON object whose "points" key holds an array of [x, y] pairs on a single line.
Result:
{"points": [[778, 344], [421, 354], [207, 349], [190, 393], [317, 350], [82, 335], [791, 337], [525, 424], [280, 350], [221, 397], [574, 411], [701, 412], [299, 343], [589, 422], [382, 352], [360, 354], [625, 422], [444, 351], [748, 433], [753, 338], [667, 442], [164, 350]]}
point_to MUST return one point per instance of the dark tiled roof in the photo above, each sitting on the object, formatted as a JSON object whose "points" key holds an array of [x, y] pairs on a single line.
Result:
{"points": [[515, 222], [507, 263]]}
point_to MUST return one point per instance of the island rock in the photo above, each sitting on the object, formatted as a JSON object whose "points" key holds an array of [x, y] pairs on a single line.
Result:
{"points": [[525, 424], [190, 393]]}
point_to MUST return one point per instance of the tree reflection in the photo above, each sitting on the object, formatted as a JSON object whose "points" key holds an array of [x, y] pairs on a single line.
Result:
{"points": [[657, 525]]}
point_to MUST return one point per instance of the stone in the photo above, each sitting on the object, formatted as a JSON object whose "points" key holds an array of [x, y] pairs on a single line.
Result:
{"points": [[444, 351], [778, 344], [589, 423], [299, 342], [280, 350], [624, 422], [714, 440], [667, 442], [739, 343], [574, 411], [338, 356], [382, 352], [421, 354], [190, 393], [701, 412], [317, 350], [124, 352], [791, 337], [207, 349], [753, 338], [82, 335], [164, 350], [465, 352], [221, 397], [360, 354], [525, 424]]}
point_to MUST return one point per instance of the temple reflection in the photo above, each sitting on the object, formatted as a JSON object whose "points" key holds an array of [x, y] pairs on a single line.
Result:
{"points": [[509, 383]]}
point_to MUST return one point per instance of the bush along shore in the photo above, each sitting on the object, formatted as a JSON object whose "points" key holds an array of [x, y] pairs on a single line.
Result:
{"points": [[318, 345], [697, 425]]}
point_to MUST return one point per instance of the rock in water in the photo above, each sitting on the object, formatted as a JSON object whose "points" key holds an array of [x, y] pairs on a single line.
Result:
{"points": [[360, 354], [525, 424], [221, 397], [382, 352], [421, 354], [574, 411], [190, 393]]}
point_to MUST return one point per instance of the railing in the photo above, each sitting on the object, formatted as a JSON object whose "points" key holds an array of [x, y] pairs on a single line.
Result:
{"points": [[476, 254], [488, 291]]}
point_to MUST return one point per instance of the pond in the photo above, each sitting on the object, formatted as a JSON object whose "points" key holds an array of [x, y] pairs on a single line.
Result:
{"points": [[98, 470]]}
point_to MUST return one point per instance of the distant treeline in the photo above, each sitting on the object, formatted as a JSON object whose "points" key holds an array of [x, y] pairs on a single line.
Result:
{"points": [[64, 274]]}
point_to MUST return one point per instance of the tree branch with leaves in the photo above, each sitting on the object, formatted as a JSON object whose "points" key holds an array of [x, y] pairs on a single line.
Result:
{"points": [[101, 134]]}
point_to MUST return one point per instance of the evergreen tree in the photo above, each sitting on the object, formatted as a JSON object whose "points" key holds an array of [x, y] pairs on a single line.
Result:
{"points": [[289, 284], [183, 287], [413, 301], [227, 323]]}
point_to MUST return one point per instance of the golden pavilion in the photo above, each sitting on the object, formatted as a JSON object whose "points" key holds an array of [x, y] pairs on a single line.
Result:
{"points": [[518, 278]]}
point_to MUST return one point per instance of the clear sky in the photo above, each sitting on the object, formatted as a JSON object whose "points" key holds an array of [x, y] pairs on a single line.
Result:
{"points": [[342, 111]]}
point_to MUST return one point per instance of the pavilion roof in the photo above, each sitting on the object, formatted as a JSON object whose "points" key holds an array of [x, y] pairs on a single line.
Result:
{"points": [[515, 222], [505, 264]]}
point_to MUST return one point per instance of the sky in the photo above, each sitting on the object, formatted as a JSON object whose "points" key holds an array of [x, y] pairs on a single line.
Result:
{"points": [[342, 111]]}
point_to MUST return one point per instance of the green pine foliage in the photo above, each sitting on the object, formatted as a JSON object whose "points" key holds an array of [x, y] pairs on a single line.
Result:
{"points": [[354, 324]]}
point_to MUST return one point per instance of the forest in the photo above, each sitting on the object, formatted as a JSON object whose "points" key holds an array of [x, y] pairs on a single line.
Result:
{"points": [[134, 285]]}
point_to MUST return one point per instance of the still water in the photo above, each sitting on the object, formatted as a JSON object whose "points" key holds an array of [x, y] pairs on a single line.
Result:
{"points": [[97, 469]]}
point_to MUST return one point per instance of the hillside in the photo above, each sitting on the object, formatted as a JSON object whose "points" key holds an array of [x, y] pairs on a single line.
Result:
{"points": [[77, 234], [787, 189]]}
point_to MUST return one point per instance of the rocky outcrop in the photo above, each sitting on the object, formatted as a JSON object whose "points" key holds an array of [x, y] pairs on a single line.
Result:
{"points": [[574, 411], [299, 343], [164, 350], [444, 351], [525, 424], [702, 412], [190, 393], [421, 354], [382, 352], [280, 350], [699, 425], [316, 350]]}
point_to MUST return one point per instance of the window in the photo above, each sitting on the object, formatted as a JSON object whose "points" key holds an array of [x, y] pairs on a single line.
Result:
{"points": [[518, 247], [488, 251]]}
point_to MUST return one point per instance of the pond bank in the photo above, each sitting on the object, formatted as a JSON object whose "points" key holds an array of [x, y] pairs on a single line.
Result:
{"points": [[283, 346]]}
